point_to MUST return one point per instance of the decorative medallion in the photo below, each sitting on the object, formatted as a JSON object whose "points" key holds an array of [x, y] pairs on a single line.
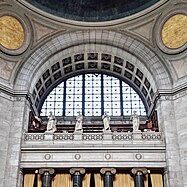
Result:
{"points": [[138, 156], [107, 156], [11, 33], [77, 156], [174, 31], [47, 156]]}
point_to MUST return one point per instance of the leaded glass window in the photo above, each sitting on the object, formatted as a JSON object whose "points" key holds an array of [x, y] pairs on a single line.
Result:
{"points": [[73, 97], [54, 101], [93, 94]]}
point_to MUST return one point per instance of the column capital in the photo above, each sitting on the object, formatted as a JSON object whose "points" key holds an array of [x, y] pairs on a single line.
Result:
{"points": [[139, 171], [108, 170], [51, 171], [165, 171], [77, 170], [20, 170]]}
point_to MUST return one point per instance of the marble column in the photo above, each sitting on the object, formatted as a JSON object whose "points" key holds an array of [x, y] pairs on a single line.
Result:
{"points": [[108, 176], [77, 176], [47, 174], [139, 176]]}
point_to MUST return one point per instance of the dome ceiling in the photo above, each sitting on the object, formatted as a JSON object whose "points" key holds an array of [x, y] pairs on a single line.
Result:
{"points": [[92, 10]]}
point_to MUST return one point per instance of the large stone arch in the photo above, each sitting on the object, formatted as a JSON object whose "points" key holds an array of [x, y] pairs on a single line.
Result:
{"points": [[117, 54]]}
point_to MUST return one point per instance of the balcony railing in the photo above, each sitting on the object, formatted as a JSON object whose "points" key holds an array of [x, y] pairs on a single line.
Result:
{"points": [[80, 149], [110, 137]]}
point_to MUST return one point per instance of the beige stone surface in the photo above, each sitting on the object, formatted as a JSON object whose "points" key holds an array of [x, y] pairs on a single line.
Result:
{"points": [[180, 67], [6, 68], [144, 30], [42, 30]]}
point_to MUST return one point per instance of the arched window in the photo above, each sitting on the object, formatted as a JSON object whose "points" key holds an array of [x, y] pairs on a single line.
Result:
{"points": [[93, 94]]}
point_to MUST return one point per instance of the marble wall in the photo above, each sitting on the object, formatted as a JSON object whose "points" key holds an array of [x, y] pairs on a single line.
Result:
{"points": [[6, 104], [181, 122], [14, 115]]}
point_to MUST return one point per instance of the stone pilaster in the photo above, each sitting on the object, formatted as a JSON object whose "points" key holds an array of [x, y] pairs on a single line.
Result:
{"points": [[165, 175], [20, 178], [108, 176], [167, 120]]}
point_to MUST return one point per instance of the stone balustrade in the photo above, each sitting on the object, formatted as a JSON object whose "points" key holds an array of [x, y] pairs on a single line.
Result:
{"points": [[114, 149], [113, 137]]}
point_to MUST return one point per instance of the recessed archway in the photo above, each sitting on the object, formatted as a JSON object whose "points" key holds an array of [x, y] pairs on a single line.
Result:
{"points": [[91, 51]]}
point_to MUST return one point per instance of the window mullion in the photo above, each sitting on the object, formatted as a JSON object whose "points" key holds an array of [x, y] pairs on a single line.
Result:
{"points": [[111, 96], [55, 102], [131, 100], [83, 94], [102, 95], [121, 98], [64, 100]]}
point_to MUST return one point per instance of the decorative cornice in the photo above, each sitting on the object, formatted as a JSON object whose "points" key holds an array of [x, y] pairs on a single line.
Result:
{"points": [[172, 92], [19, 94]]}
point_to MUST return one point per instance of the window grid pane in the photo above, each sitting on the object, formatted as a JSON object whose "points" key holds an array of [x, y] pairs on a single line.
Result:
{"points": [[111, 95], [92, 97], [54, 102], [132, 101], [73, 95]]}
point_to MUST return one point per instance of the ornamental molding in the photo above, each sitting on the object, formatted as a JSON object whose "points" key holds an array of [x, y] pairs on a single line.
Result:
{"points": [[178, 9]]}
